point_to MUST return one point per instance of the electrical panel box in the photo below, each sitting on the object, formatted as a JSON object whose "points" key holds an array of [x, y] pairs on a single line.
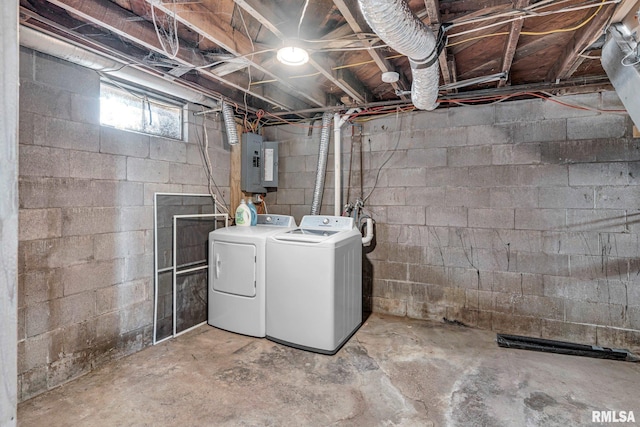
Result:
{"points": [[259, 170]]}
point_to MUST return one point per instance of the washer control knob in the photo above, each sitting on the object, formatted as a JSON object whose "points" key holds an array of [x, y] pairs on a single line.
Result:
{"points": [[269, 219], [325, 221]]}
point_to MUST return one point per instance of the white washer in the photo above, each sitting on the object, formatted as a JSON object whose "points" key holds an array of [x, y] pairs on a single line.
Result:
{"points": [[237, 274], [314, 275]]}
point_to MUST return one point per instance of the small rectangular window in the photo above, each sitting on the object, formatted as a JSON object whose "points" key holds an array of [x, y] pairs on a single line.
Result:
{"points": [[137, 111]]}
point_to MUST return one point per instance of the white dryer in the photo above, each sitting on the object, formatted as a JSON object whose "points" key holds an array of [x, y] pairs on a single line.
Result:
{"points": [[237, 274], [314, 272]]}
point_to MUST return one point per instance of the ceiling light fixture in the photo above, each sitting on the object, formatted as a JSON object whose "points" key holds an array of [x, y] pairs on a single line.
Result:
{"points": [[292, 54]]}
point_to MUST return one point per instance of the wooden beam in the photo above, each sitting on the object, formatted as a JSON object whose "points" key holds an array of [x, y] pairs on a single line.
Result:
{"points": [[512, 42], [267, 17], [350, 13], [435, 21], [569, 61], [221, 32], [115, 19]]}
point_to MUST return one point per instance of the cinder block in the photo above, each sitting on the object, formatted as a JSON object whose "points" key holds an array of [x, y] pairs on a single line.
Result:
{"points": [[405, 253], [519, 283], [513, 197], [492, 176], [516, 325], [598, 174], [27, 63], [441, 177], [117, 193], [87, 221], [44, 100], [79, 279], [39, 224], [466, 278], [552, 110], [446, 216], [136, 316], [543, 175], [409, 177], [618, 338], [515, 154], [520, 111], [131, 218], [391, 160], [406, 215], [40, 351], [150, 189], [540, 219], [66, 134], [599, 267], [390, 270], [428, 274], [426, 158], [64, 75], [610, 220], [582, 243], [388, 306], [477, 155], [399, 291], [566, 197], [55, 253], [138, 267], [571, 332], [97, 166], [547, 130], [295, 164], [541, 307], [489, 134], [616, 198], [591, 313], [424, 196], [419, 120], [552, 264], [41, 285], [118, 245], [389, 196], [121, 295], [618, 244], [443, 137], [32, 383], [603, 126], [302, 180], [43, 161], [491, 218], [425, 310], [294, 196], [116, 141], [150, 171], [107, 327], [187, 174], [476, 115], [79, 336], [170, 150], [85, 109]]}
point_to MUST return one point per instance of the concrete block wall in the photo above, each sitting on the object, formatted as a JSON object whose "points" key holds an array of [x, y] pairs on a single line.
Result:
{"points": [[520, 217], [86, 222]]}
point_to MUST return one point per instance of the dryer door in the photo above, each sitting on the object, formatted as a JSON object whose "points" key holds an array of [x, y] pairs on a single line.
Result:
{"points": [[234, 268]]}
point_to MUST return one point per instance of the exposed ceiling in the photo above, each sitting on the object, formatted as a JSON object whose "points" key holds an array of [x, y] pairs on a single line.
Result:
{"points": [[228, 48]]}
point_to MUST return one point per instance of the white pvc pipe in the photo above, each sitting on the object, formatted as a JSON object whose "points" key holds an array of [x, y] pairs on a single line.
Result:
{"points": [[366, 240], [337, 165]]}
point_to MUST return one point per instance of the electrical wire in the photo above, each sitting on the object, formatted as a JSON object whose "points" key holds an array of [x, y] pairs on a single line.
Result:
{"points": [[204, 152], [304, 10], [173, 44], [393, 151], [525, 33]]}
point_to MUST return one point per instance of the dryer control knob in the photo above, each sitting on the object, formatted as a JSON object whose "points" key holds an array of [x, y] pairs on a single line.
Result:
{"points": [[325, 221], [269, 219]]}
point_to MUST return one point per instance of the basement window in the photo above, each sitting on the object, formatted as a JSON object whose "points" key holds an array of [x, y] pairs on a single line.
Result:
{"points": [[126, 108]]}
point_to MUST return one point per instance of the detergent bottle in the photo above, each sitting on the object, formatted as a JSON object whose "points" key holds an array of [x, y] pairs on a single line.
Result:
{"points": [[254, 212], [243, 214]]}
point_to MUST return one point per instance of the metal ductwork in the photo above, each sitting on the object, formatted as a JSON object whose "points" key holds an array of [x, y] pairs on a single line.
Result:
{"points": [[621, 63], [53, 46], [398, 27], [229, 123], [321, 170]]}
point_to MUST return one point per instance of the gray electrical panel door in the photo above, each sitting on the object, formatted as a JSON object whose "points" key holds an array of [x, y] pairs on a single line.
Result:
{"points": [[259, 164]]}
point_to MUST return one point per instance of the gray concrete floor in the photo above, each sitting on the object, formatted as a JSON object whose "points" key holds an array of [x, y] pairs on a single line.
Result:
{"points": [[394, 371]]}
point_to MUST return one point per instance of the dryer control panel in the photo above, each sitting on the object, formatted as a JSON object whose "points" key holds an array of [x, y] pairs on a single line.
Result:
{"points": [[327, 222], [276, 220]]}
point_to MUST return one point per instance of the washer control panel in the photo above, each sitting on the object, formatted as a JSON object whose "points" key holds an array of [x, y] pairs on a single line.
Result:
{"points": [[276, 220], [327, 221]]}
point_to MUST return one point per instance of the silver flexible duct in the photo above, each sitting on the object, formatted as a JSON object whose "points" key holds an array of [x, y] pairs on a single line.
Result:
{"points": [[398, 27], [229, 123], [323, 154]]}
